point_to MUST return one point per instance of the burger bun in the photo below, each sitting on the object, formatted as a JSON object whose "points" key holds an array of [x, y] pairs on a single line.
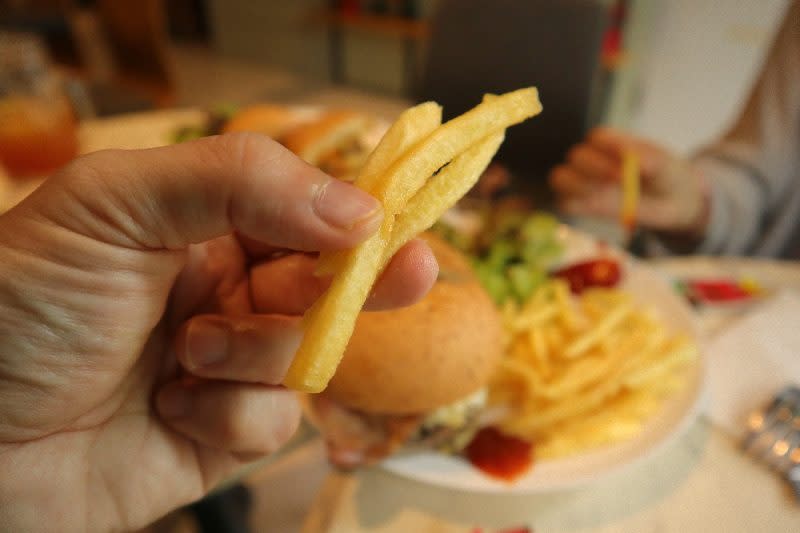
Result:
{"points": [[433, 353]]}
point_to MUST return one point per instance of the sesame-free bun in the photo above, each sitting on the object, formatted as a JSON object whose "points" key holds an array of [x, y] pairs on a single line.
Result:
{"points": [[418, 358], [271, 120], [316, 139]]}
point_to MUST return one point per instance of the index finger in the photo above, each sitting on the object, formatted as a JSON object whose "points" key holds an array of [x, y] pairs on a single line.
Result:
{"points": [[288, 285], [611, 141]]}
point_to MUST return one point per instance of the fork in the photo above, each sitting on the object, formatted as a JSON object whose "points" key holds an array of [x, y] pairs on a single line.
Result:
{"points": [[773, 436]]}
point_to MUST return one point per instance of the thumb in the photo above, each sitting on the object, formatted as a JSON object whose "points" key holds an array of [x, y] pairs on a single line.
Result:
{"points": [[170, 197]]}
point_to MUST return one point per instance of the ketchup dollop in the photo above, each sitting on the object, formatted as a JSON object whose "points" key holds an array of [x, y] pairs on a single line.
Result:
{"points": [[595, 273], [500, 455]]}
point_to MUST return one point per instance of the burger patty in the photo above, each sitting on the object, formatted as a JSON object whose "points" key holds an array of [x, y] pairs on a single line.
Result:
{"points": [[354, 438]]}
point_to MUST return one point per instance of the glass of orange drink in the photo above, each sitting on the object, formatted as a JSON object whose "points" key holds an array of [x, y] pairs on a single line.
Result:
{"points": [[38, 129]]}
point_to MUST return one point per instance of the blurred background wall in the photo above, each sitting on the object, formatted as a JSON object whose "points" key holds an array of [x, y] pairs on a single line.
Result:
{"points": [[294, 35], [689, 65], [271, 32], [686, 68], [693, 63]]}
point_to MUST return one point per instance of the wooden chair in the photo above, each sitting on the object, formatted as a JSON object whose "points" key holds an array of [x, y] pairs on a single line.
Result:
{"points": [[136, 32], [119, 49]]}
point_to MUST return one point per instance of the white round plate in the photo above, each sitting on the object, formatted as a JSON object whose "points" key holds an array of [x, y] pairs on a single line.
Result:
{"points": [[650, 289]]}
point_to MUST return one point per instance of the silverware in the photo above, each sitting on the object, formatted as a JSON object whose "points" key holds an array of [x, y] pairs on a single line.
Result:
{"points": [[773, 436]]}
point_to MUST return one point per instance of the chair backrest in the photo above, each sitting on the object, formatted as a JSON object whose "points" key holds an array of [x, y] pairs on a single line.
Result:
{"points": [[137, 34], [479, 46]]}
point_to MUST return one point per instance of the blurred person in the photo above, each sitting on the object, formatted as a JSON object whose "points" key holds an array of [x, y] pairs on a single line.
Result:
{"points": [[150, 306], [739, 196]]}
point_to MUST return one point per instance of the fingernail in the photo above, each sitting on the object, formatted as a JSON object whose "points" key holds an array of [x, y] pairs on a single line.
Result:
{"points": [[347, 459], [206, 343], [345, 206], [174, 402]]}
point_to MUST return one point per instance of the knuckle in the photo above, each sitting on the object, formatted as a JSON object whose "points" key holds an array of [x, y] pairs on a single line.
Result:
{"points": [[285, 422], [611, 174], [249, 150], [556, 176], [234, 426], [262, 426], [90, 168], [253, 356], [575, 153]]}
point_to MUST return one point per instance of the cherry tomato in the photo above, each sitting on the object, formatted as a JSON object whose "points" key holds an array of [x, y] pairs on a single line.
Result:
{"points": [[595, 273]]}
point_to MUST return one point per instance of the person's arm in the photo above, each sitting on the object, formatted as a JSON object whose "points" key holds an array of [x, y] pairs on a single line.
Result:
{"points": [[751, 173]]}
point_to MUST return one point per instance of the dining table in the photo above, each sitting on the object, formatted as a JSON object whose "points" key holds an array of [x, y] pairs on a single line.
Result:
{"points": [[700, 480]]}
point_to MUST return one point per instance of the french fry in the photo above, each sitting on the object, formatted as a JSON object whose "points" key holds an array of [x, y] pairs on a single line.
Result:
{"points": [[539, 352], [407, 175], [608, 366], [679, 355], [611, 424], [582, 403], [554, 338], [630, 190], [442, 192], [329, 323], [582, 372], [532, 379], [394, 181], [413, 125], [568, 317], [534, 318], [592, 337]]}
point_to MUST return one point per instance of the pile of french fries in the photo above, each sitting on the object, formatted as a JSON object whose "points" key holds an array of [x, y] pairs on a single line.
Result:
{"points": [[419, 169], [584, 371]]}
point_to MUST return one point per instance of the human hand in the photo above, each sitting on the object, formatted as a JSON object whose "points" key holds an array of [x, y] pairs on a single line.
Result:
{"points": [[150, 304], [672, 198]]}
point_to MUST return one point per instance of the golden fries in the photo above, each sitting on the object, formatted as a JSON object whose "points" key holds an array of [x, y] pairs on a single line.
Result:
{"points": [[417, 171], [591, 338], [585, 371], [442, 191], [413, 125], [630, 190]]}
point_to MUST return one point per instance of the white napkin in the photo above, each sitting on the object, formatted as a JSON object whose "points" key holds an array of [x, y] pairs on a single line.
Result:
{"points": [[750, 360]]}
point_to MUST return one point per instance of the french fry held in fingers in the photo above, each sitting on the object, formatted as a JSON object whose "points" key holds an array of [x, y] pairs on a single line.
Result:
{"points": [[441, 192], [586, 370], [412, 126], [408, 173], [630, 190]]}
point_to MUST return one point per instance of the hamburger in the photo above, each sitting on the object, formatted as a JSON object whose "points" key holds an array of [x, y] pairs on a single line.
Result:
{"points": [[337, 141], [334, 142], [413, 376], [271, 120]]}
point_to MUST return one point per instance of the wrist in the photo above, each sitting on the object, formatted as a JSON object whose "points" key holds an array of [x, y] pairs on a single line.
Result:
{"points": [[698, 222], [691, 211]]}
